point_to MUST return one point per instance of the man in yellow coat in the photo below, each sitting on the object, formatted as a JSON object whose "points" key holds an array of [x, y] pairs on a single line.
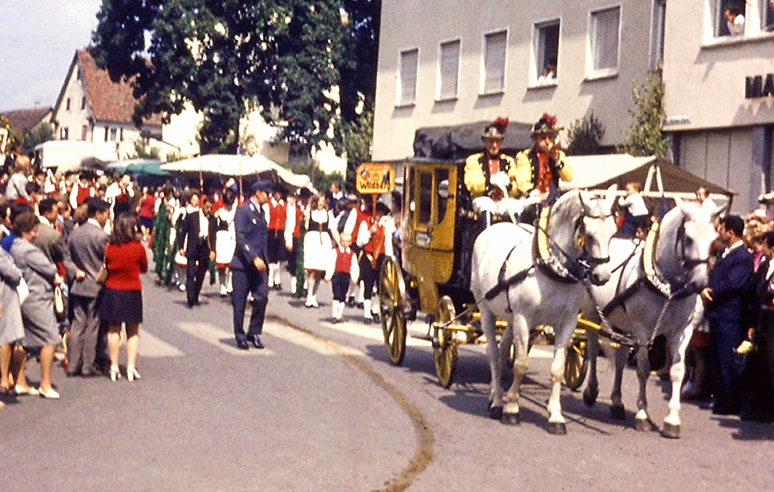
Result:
{"points": [[539, 169], [480, 167]]}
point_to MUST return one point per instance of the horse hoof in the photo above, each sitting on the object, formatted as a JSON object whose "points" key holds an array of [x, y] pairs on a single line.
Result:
{"points": [[618, 413], [670, 431], [590, 397], [495, 413], [557, 428], [643, 425], [510, 419]]}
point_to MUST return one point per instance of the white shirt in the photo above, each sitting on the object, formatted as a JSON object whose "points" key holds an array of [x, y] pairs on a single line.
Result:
{"points": [[736, 26], [634, 203]]}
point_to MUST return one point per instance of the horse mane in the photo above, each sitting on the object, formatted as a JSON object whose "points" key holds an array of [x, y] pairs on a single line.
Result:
{"points": [[565, 211]]}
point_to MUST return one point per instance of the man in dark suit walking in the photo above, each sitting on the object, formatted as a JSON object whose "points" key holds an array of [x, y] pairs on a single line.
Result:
{"points": [[196, 242], [723, 299], [84, 257], [249, 266]]}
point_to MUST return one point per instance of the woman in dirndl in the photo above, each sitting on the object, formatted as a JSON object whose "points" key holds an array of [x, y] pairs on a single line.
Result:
{"points": [[125, 260], [225, 241], [317, 246]]}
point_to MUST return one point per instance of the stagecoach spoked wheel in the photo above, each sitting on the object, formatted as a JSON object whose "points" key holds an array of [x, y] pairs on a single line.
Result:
{"points": [[575, 364], [392, 293], [444, 343]]}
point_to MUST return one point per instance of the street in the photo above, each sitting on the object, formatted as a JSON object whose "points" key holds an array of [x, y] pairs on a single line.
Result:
{"points": [[321, 408]]}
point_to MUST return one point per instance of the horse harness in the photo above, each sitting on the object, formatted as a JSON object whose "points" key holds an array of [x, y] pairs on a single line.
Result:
{"points": [[653, 279], [575, 270]]}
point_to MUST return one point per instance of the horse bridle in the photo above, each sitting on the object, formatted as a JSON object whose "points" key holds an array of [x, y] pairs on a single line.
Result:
{"points": [[686, 262], [587, 260]]}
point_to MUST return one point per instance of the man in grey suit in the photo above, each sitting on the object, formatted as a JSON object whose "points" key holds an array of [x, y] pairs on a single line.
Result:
{"points": [[84, 256], [48, 238]]}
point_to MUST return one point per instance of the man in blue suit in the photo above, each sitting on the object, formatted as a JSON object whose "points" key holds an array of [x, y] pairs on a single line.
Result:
{"points": [[249, 275], [723, 300]]}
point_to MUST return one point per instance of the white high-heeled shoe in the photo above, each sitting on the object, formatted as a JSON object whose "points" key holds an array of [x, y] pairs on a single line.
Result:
{"points": [[115, 374], [132, 374]]}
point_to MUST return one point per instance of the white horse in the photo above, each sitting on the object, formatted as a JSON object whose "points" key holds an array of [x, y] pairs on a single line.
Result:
{"points": [[653, 291], [532, 277]]}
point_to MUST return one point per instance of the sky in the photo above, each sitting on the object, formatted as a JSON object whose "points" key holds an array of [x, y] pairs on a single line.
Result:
{"points": [[38, 39]]}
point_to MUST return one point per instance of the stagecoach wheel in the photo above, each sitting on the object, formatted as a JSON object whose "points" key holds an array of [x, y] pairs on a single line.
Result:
{"points": [[392, 292], [576, 364], [444, 343]]}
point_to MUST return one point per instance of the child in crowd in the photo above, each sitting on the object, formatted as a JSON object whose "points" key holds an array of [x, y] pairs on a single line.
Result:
{"points": [[343, 270], [635, 212]]}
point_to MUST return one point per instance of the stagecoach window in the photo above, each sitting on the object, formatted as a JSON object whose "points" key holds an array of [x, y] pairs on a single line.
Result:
{"points": [[425, 197], [409, 195], [442, 180]]}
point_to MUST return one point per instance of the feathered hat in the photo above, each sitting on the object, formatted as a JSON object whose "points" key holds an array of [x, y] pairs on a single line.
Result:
{"points": [[546, 125], [496, 129]]}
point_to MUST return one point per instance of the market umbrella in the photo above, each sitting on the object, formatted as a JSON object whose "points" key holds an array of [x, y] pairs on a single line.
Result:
{"points": [[237, 166], [147, 166]]}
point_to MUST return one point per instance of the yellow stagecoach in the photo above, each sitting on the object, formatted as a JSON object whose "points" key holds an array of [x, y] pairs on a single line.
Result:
{"points": [[438, 229]]}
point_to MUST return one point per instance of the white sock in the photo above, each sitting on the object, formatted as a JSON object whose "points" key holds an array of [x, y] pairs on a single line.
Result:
{"points": [[340, 313], [335, 309], [271, 274], [367, 308]]}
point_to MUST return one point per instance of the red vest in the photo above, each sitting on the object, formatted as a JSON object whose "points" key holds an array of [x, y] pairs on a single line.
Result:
{"points": [[299, 218], [343, 260], [277, 215], [84, 193], [360, 217], [376, 244]]}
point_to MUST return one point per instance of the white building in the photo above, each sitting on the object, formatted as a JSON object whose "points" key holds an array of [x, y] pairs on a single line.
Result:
{"points": [[448, 63], [92, 108], [720, 95]]}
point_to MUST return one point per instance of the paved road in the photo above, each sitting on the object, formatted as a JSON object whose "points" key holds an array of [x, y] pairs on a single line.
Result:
{"points": [[322, 409]]}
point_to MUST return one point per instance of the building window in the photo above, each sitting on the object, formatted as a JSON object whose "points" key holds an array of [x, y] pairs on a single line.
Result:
{"points": [[448, 69], [767, 15], [546, 46], [113, 134], [84, 132], [121, 137], [657, 34], [83, 103], [67, 104], [106, 133], [730, 17], [495, 45], [64, 133], [407, 81], [604, 41]]}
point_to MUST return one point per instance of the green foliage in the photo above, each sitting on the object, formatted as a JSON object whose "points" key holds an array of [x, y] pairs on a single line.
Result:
{"points": [[585, 136], [644, 137], [227, 58], [357, 137], [140, 152]]}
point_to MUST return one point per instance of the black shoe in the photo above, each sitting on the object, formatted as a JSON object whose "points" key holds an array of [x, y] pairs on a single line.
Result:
{"points": [[351, 302], [242, 344], [255, 340]]}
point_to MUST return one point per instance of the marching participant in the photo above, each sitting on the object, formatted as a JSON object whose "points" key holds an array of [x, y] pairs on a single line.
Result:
{"points": [[294, 243], [276, 212], [374, 237], [343, 270]]}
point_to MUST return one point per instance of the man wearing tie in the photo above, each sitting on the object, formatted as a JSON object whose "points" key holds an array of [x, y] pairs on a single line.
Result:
{"points": [[197, 243], [249, 265], [723, 303]]}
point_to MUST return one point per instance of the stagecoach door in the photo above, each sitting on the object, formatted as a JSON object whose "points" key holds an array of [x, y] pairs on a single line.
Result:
{"points": [[430, 203]]}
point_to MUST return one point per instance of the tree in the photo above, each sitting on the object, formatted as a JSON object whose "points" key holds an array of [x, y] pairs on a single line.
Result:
{"points": [[585, 136], [226, 58], [36, 135], [644, 137]]}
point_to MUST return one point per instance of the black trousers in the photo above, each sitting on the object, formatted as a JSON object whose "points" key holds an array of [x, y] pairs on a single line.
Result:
{"points": [[247, 282], [724, 337], [369, 274], [197, 267]]}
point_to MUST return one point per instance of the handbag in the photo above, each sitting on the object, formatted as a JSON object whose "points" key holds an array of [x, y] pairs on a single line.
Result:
{"points": [[102, 274], [23, 290], [60, 309]]}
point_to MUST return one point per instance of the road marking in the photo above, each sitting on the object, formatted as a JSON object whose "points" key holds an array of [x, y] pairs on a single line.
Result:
{"points": [[307, 341], [219, 338], [151, 346]]}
